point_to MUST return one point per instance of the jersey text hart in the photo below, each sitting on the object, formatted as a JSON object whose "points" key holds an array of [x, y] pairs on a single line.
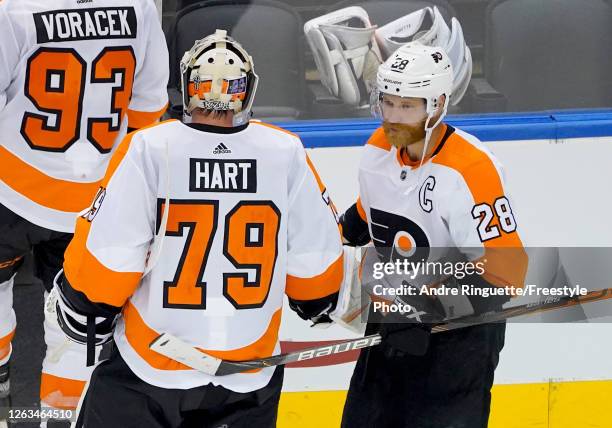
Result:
{"points": [[220, 175]]}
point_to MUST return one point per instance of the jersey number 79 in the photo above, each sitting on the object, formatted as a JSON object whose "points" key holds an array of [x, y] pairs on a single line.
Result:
{"points": [[250, 241]]}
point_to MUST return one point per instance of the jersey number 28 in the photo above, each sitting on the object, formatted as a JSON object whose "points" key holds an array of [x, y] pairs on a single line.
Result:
{"points": [[487, 229]]}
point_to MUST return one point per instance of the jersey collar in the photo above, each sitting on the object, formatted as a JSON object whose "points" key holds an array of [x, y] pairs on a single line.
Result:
{"points": [[404, 160], [217, 129]]}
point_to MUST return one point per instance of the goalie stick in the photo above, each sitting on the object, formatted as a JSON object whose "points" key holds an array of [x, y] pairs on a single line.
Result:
{"points": [[174, 348]]}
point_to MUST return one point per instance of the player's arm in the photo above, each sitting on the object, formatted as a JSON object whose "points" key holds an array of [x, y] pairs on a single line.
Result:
{"points": [[105, 260], [149, 93], [9, 53], [482, 222], [315, 257], [354, 224]]}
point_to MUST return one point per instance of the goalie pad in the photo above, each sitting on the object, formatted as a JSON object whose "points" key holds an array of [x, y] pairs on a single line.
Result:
{"points": [[410, 28], [413, 28], [345, 53], [352, 307]]}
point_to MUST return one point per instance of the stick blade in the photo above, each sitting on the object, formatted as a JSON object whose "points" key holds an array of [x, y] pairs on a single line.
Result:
{"points": [[175, 349]]}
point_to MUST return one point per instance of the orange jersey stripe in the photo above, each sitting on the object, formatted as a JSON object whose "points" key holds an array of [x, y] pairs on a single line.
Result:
{"points": [[60, 195], [360, 210], [140, 335], [318, 286], [87, 275], [379, 139], [60, 392], [257, 122], [316, 174], [5, 344], [506, 259], [140, 119]]}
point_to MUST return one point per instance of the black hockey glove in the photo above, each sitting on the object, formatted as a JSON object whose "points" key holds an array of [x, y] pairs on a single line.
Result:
{"points": [[355, 232], [407, 331], [317, 310]]}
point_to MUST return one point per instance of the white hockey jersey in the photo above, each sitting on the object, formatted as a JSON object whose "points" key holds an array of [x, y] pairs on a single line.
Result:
{"points": [[455, 200], [73, 77], [249, 221]]}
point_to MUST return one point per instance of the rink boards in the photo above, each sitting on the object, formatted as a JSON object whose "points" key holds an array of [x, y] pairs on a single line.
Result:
{"points": [[550, 375]]}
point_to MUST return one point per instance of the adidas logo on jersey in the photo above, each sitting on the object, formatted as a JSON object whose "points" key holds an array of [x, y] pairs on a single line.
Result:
{"points": [[221, 149]]}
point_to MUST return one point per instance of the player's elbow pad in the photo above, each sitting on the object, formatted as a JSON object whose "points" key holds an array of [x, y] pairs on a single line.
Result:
{"points": [[354, 229], [314, 309]]}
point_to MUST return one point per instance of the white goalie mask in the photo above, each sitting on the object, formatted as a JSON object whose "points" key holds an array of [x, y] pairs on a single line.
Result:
{"points": [[415, 71], [218, 74]]}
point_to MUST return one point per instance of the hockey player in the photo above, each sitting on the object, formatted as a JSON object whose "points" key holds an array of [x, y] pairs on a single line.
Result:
{"points": [[74, 76], [241, 218], [427, 187]]}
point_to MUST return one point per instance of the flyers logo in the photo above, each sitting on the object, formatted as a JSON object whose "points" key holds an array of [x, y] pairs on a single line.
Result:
{"points": [[331, 205], [396, 237], [91, 213], [55, 84]]}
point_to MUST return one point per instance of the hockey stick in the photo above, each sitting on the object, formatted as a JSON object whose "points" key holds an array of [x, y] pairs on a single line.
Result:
{"points": [[174, 348]]}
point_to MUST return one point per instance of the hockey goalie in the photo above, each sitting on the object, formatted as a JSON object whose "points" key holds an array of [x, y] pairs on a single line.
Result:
{"points": [[199, 229]]}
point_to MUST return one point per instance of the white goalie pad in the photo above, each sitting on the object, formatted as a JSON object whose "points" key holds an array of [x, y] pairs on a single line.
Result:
{"points": [[345, 52], [414, 27], [463, 69], [351, 309]]}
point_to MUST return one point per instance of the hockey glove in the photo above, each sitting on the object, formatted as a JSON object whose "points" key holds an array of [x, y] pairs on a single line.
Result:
{"points": [[317, 310], [355, 230], [80, 326]]}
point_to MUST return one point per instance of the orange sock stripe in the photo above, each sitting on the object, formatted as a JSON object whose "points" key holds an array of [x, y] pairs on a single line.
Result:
{"points": [[59, 392], [5, 344]]}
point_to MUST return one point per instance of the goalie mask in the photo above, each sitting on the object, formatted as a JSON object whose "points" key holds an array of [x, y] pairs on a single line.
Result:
{"points": [[217, 74]]}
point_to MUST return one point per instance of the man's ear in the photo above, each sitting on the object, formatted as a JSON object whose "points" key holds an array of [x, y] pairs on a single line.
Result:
{"points": [[441, 102]]}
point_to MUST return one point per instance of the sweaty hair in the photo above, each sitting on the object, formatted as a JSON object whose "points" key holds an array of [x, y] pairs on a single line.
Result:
{"points": [[214, 114]]}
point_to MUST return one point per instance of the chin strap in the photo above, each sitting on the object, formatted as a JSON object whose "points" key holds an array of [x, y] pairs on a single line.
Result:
{"points": [[428, 131]]}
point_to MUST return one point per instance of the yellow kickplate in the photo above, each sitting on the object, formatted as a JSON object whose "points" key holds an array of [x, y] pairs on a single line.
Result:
{"points": [[537, 405]]}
